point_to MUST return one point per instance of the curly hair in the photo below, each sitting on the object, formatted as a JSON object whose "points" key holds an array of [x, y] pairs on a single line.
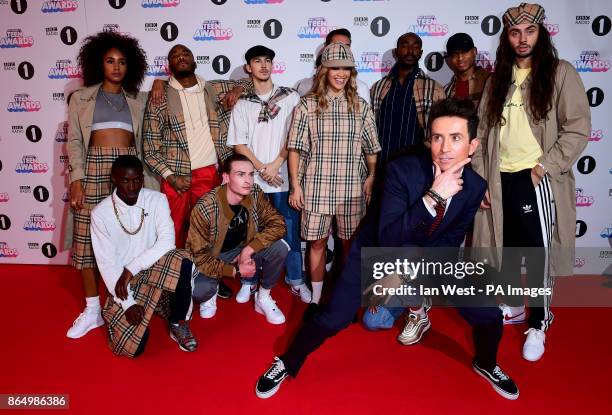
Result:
{"points": [[319, 89], [544, 62], [91, 57]]}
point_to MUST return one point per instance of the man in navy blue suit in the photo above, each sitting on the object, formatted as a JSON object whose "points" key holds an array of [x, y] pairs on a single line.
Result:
{"points": [[429, 200]]}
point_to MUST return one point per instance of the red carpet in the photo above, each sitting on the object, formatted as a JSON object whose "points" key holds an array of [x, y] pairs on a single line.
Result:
{"points": [[355, 372]]}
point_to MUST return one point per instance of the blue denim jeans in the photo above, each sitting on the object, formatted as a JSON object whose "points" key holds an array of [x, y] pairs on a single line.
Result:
{"points": [[294, 274], [383, 318]]}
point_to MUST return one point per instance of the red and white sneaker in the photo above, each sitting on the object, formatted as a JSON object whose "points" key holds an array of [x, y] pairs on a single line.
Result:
{"points": [[513, 315]]}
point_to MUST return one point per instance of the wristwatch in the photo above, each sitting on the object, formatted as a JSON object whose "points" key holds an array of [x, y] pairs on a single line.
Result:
{"points": [[237, 267]]}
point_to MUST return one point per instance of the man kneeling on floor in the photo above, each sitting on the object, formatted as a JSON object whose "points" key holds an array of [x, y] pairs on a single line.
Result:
{"points": [[236, 233], [133, 240]]}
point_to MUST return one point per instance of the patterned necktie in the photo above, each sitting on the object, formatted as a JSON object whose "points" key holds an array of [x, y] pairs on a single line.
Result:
{"points": [[438, 219]]}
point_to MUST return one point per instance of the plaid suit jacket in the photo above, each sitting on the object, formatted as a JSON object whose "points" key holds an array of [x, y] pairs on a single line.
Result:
{"points": [[476, 84], [164, 136]]}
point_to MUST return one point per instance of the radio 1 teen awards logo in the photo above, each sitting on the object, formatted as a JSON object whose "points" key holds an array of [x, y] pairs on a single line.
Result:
{"points": [[373, 62], [23, 103], [7, 252], [263, 1], [159, 67], [16, 39], [213, 30], [38, 223], [582, 199], [591, 61], [606, 232], [316, 28], [4, 197], [553, 28], [29, 164], [153, 4], [596, 135], [428, 26], [64, 69], [278, 67], [59, 6]]}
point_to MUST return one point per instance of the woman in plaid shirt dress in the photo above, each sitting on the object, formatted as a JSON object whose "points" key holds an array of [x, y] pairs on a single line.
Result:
{"points": [[332, 158]]}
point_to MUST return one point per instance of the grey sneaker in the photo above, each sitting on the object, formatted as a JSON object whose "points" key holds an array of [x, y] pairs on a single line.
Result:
{"points": [[414, 329], [181, 333]]}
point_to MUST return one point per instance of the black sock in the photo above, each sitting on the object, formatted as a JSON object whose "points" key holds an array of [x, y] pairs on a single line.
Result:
{"points": [[180, 299]]}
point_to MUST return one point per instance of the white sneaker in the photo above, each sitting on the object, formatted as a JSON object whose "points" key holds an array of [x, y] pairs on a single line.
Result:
{"points": [[533, 349], [513, 315], [208, 309], [244, 294], [303, 292], [85, 322], [267, 306]]}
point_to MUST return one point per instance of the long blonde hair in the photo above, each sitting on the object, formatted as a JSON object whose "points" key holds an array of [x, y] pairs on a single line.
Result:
{"points": [[319, 90]]}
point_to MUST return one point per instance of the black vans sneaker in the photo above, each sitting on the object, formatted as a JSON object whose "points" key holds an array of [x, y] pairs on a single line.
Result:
{"points": [[269, 382], [500, 381]]}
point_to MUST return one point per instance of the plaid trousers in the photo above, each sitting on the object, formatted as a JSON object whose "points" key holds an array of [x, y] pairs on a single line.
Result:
{"points": [[151, 289]]}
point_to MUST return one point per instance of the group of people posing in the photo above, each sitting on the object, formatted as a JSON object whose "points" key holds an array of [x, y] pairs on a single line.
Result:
{"points": [[173, 191]]}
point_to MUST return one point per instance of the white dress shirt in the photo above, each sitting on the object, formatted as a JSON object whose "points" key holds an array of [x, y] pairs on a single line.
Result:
{"points": [[115, 249]]}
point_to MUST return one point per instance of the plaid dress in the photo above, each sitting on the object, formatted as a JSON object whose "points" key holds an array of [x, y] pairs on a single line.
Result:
{"points": [[96, 186], [151, 288], [332, 148]]}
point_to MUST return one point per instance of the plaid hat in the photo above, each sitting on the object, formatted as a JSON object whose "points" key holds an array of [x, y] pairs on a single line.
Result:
{"points": [[524, 13], [459, 42], [259, 50], [337, 55]]}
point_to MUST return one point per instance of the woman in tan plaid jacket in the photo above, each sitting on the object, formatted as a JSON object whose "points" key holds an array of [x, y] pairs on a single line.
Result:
{"points": [[332, 157]]}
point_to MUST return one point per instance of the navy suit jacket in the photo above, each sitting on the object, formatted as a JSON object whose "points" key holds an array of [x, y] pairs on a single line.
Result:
{"points": [[405, 221]]}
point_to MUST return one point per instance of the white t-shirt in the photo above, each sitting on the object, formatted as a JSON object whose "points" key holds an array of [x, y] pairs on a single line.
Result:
{"points": [[264, 139]]}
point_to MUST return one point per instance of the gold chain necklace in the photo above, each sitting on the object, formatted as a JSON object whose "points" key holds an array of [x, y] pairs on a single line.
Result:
{"points": [[109, 102], [142, 216]]}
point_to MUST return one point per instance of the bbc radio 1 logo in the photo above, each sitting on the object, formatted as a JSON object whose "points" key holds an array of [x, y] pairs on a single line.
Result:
{"points": [[29, 164], [16, 39], [596, 135], [272, 28], [155, 4], [159, 67], [316, 28], [59, 6], [23, 103], [67, 34], [25, 69], [428, 26], [37, 222], [373, 62], [64, 69], [212, 30], [220, 64], [582, 199], [7, 252], [600, 25], [4, 197], [591, 61], [263, 1], [606, 232], [306, 57], [48, 249]]}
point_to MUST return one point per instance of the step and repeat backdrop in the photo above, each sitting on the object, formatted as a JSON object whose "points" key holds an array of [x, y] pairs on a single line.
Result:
{"points": [[39, 42]]}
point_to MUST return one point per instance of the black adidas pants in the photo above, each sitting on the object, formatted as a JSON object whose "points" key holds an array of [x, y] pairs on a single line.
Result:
{"points": [[529, 217]]}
